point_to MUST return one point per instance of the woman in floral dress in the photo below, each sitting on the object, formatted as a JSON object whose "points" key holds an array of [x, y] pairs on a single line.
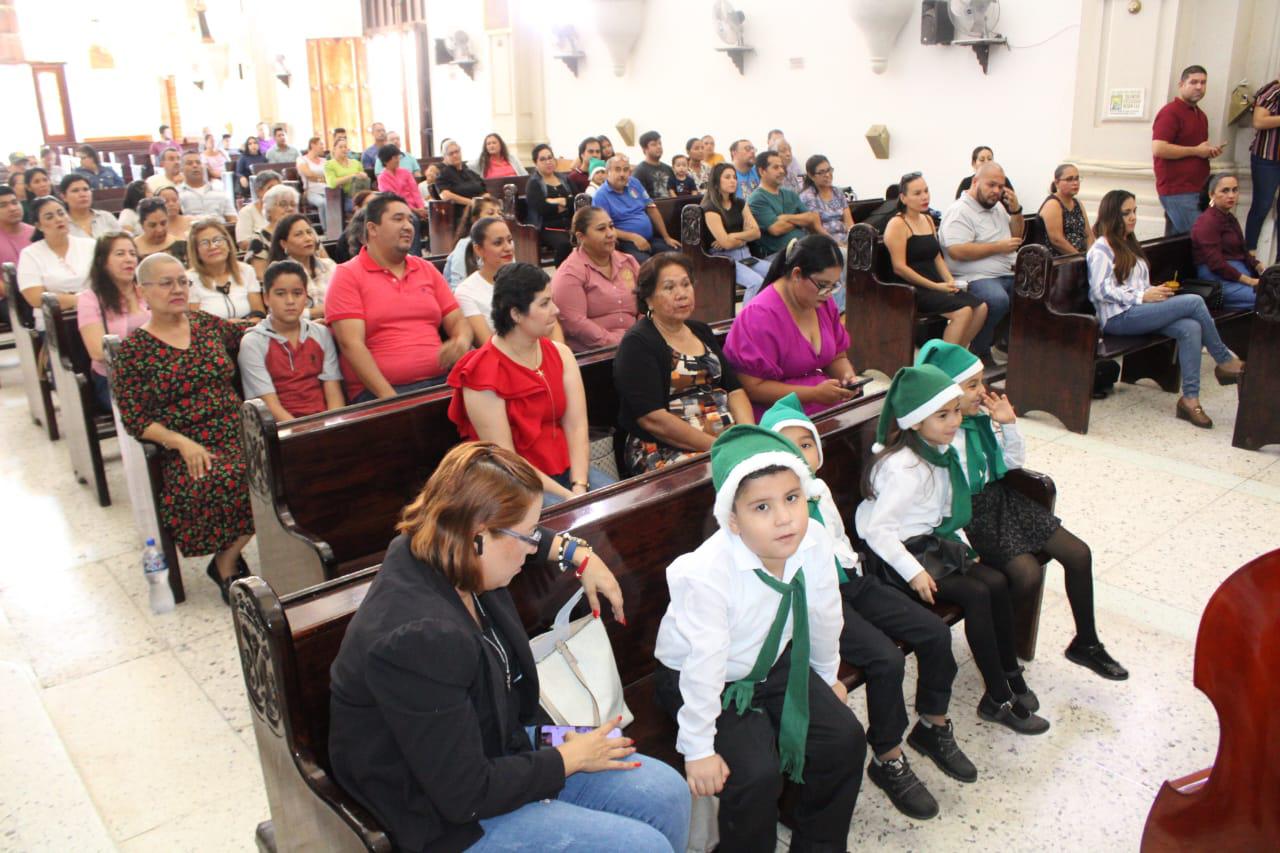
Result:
{"points": [[173, 384]]}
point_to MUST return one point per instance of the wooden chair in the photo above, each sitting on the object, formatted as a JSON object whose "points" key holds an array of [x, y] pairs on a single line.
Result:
{"points": [[1235, 804], [35, 382], [85, 428], [714, 277], [1258, 408]]}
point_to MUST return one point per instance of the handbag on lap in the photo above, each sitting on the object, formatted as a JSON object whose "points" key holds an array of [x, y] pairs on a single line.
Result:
{"points": [[577, 675]]}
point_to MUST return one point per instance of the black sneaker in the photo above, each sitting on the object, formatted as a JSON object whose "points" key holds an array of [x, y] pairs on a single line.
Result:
{"points": [[907, 793], [1012, 715], [1095, 657], [939, 743]]}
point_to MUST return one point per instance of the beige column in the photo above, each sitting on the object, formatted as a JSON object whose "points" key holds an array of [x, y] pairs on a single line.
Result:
{"points": [[1136, 50], [515, 72]]}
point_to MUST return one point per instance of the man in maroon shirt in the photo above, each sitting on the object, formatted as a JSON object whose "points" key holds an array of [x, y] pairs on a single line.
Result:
{"points": [[1181, 151]]}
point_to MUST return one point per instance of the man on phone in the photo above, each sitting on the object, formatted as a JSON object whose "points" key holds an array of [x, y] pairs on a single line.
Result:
{"points": [[980, 236], [1181, 151]]}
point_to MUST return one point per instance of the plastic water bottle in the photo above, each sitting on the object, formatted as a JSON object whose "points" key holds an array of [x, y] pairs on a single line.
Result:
{"points": [[157, 573]]}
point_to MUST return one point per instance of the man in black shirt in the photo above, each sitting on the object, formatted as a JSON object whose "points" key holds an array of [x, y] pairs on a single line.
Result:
{"points": [[653, 174]]}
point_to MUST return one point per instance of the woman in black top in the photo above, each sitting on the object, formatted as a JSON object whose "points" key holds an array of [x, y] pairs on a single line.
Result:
{"points": [[550, 203], [732, 226], [435, 684], [249, 157], [457, 183], [912, 240], [981, 154], [1065, 222], [677, 390]]}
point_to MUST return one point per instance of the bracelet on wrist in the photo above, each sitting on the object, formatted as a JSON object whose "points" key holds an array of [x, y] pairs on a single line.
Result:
{"points": [[582, 567], [569, 545], [1017, 212]]}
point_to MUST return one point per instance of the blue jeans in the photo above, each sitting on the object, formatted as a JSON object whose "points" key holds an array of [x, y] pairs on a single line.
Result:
{"points": [[635, 811], [1235, 295], [749, 277], [1266, 180], [656, 246], [101, 392], [995, 293], [596, 479], [1183, 318], [1183, 209]]}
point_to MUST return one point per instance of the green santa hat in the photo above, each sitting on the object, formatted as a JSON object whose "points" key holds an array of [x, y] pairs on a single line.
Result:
{"points": [[916, 393], [788, 412], [955, 361], [742, 450]]}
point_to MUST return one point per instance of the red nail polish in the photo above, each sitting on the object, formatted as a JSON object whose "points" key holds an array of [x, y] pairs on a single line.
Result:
{"points": [[635, 764], [623, 620], [595, 614]]}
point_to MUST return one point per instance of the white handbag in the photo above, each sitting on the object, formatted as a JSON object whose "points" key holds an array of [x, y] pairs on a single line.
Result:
{"points": [[577, 675]]}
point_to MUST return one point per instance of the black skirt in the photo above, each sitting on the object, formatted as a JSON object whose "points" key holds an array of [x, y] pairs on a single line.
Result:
{"points": [[930, 301], [939, 557], [1007, 523]]}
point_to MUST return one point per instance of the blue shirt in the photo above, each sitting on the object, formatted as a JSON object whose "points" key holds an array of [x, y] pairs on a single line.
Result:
{"points": [[369, 158], [626, 208], [747, 182]]}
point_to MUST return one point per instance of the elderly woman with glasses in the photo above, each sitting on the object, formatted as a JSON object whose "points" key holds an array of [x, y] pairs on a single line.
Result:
{"points": [[789, 339], [174, 384]]}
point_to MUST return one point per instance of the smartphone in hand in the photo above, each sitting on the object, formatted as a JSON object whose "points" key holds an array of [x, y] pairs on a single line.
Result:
{"points": [[553, 736]]}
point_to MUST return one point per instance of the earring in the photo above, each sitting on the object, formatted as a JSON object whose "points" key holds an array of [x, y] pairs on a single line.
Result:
{"points": [[479, 544]]}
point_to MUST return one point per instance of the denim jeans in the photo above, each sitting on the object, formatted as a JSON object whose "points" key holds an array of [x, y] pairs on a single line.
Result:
{"points": [[1183, 209], [656, 246], [1266, 180], [635, 811], [995, 292], [1235, 295], [596, 479], [101, 392], [1183, 318], [749, 277]]}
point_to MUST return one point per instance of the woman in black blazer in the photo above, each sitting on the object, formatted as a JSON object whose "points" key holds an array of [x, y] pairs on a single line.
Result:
{"points": [[434, 687]]}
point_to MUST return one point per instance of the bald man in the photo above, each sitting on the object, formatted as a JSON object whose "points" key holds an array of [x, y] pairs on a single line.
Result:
{"points": [[980, 236]]}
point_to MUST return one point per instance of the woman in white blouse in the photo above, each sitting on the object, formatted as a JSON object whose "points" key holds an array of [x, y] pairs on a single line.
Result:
{"points": [[56, 262], [311, 168], [1127, 304], [220, 284], [295, 240], [85, 221], [491, 248]]}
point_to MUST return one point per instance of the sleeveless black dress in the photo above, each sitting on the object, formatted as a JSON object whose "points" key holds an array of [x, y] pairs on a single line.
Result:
{"points": [[922, 251]]}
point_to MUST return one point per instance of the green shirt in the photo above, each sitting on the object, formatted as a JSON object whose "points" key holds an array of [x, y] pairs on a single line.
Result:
{"points": [[333, 170], [767, 207]]}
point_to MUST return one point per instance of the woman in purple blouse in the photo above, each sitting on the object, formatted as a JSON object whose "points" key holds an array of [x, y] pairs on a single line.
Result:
{"points": [[789, 338]]}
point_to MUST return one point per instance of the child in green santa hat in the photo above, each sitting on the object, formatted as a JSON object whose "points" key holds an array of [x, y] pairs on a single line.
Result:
{"points": [[875, 614], [1008, 529], [748, 652], [916, 506]]}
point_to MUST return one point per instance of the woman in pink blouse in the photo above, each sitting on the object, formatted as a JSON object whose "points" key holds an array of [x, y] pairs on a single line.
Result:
{"points": [[393, 179], [109, 306], [595, 288], [495, 161]]}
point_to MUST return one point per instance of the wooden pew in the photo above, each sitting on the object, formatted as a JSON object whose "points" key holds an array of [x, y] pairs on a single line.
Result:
{"points": [[84, 427], [1235, 804], [880, 313], [110, 200], [1054, 340], [714, 277], [638, 528], [442, 227], [528, 247], [1258, 407], [26, 339], [497, 186]]}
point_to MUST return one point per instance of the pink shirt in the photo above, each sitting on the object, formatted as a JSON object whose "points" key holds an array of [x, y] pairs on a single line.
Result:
{"points": [[11, 245], [401, 183], [595, 310], [499, 168], [401, 316], [89, 311]]}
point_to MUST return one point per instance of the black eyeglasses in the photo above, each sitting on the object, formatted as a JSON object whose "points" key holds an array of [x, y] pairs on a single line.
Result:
{"points": [[532, 541]]}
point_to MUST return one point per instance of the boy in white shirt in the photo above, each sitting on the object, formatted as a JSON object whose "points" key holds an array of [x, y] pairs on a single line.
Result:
{"points": [[748, 652]]}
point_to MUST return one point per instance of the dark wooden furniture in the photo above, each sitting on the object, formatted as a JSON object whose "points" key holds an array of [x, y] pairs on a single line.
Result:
{"points": [[84, 428], [715, 279], [35, 382], [1054, 339], [528, 246], [1235, 804], [1258, 408], [442, 227], [497, 186], [638, 528], [110, 200], [880, 313]]}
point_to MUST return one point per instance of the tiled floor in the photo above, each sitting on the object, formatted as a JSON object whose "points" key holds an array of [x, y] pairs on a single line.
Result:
{"points": [[125, 730]]}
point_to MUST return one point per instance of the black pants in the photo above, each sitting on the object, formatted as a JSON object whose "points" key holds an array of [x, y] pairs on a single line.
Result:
{"points": [[983, 594], [558, 242], [835, 752], [876, 614]]}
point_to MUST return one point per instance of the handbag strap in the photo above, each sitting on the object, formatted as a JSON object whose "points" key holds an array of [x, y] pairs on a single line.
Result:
{"points": [[572, 661], [562, 617]]}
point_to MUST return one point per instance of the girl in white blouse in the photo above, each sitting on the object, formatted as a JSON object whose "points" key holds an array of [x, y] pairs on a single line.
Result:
{"points": [[917, 504], [58, 262]]}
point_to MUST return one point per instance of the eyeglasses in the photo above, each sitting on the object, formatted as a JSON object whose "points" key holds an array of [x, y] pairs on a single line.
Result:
{"points": [[180, 283], [532, 541], [822, 173], [210, 242], [823, 288]]}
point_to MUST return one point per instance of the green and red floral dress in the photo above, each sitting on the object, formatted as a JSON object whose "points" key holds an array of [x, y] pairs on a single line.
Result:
{"points": [[191, 392]]}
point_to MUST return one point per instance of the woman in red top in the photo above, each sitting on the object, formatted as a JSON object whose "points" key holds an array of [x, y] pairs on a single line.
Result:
{"points": [[1217, 244], [523, 391], [495, 161]]}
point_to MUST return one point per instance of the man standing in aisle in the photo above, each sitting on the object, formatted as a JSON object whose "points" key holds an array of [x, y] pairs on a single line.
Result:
{"points": [[1181, 151]]}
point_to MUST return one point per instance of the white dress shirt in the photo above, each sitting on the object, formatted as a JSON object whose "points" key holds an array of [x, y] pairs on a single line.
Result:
{"points": [[912, 497], [40, 266], [1011, 443], [206, 200], [835, 526], [720, 614]]}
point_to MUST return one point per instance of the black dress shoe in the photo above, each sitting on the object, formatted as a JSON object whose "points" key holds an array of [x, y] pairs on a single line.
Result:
{"points": [[1021, 692], [939, 744], [1012, 715], [907, 793], [1095, 657], [224, 585], [242, 568]]}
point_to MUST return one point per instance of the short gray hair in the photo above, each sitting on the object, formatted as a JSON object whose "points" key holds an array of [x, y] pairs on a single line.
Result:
{"points": [[146, 269], [276, 195], [265, 177]]}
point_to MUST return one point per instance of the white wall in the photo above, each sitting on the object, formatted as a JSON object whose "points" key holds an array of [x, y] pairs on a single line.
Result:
{"points": [[462, 108], [935, 100]]}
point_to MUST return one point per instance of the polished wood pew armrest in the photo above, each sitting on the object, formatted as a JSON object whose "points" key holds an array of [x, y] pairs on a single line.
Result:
{"points": [[1034, 485]]}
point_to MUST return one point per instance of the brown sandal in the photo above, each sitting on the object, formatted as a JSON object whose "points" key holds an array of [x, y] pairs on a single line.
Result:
{"points": [[1194, 414]]}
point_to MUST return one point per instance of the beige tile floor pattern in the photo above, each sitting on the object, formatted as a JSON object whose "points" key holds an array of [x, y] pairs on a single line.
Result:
{"points": [[123, 730]]}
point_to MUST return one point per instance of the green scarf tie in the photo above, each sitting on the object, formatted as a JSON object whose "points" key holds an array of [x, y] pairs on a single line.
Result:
{"points": [[961, 498], [982, 452], [815, 513], [795, 705]]}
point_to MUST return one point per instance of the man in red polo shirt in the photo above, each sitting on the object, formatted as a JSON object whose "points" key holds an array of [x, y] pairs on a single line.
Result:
{"points": [[387, 307], [1181, 151]]}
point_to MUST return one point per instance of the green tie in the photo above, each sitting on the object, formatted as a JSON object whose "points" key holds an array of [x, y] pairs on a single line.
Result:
{"points": [[795, 705], [982, 452], [961, 500], [815, 512]]}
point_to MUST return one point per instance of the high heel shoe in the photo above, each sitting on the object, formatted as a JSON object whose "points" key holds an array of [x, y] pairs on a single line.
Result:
{"points": [[1227, 377], [1193, 414], [224, 584]]}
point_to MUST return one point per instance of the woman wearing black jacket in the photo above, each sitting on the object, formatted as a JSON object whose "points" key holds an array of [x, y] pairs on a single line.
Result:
{"points": [[434, 687]]}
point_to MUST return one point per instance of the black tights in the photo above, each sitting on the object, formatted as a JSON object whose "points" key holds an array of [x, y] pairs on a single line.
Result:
{"points": [[983, 594], [1023, 572]]}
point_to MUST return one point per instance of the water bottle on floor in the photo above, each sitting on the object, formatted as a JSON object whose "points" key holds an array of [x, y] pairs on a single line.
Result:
{"points": [[157, 573]]}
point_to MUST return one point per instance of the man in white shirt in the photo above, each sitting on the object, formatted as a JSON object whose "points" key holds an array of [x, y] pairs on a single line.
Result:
{"points": [[980, 236], [170, 172], [282, 152], [200, 197]]}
